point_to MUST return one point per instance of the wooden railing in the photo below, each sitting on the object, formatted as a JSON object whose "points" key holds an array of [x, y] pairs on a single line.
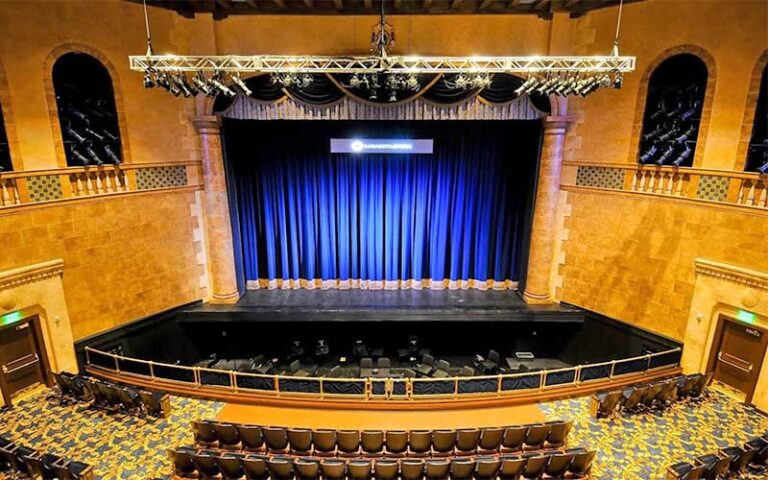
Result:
{"points": [[212, 383], [33, 187], [741, 189]]}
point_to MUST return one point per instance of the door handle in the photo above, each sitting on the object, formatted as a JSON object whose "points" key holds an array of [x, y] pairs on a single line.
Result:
{"points": [[7, 370], [734, 365]]}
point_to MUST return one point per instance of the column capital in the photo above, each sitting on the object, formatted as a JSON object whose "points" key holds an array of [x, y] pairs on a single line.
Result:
{"points": [[207, 124], [556, 124]]}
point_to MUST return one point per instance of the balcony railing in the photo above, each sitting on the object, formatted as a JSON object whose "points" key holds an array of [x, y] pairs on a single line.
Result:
{"points": [[374, 388], [741, 189], [31, 187]]}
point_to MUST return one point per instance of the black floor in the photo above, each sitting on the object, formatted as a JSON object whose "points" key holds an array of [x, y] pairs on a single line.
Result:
{"points": [[387, 305]]}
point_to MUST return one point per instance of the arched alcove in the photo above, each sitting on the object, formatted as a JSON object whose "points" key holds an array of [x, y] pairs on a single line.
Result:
{"points": [[673, 111], [757, 149], [85, 102]]}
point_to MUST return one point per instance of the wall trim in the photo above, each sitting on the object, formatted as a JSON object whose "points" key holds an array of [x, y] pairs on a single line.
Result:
{"points": [[733, 273], [31, 273]]}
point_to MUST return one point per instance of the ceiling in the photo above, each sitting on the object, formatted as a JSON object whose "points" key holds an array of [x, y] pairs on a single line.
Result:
{"points": [[223, 8]]}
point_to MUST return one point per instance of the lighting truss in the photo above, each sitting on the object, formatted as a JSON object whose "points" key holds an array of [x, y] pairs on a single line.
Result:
{"points": [[277, 64]]}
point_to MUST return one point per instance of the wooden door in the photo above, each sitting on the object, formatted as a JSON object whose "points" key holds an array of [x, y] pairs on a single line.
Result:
{"points": [[21, 361], [739, 356]]}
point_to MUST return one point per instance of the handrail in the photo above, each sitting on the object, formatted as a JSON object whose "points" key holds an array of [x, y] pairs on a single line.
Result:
{"points": [[367, 382]]}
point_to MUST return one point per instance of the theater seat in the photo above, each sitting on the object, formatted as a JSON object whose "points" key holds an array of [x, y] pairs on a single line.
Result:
{"points": [[513, 439], [558, 465], [685, 471], [276, 439], [604, 404], [206, 466], [490, 440], [437, 468], [280, 468], [255, 467], [419, 443], [411, 469], [740, 458], [581, 465], [348, 443], [300, 441], [333, 469], [487, 468], [462, 468], [251, 438], [714, 465], [760, 445], [181, 461], [396, 443], [306, 469], [558, 433], [534, 468], [230, 466], [536, 436], [386, 469], [359, 469], [372, 442], [227, 435], [512, 467], [204, 433], [443, 442], [467, 441], [324, 442]]}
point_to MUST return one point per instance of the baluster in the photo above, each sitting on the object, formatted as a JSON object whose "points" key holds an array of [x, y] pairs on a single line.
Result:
{"points": [[15, 191], [6, 197], [109, 178], [646, 180], [636, 179], [657, 179], [80, 184], [742, 187], [97, 183], [679, 185], [762, 200], [88, 183], [751, 194]]}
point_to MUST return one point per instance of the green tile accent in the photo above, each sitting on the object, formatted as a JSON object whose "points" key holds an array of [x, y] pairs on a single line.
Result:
{"points": [[161, 177], [713, 188], [600, 177], [44, 188]]}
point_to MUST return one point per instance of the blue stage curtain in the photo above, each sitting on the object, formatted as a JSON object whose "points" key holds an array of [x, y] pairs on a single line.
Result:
{"points": [[459, 214]]}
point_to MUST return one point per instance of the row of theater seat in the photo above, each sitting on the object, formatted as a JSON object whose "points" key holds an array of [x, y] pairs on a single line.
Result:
{"points": [[551, 464], [730, 462], [349, 443], [647, 396], [18, 461], [111, 396]]}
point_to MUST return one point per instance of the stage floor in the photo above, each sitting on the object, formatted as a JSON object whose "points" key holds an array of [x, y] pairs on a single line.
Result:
{"points": [[389, 305]]}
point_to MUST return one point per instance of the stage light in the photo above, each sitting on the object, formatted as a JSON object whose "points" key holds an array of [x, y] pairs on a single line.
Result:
{"points": [[199, 81], [241, 85], [691, 111], [665, 155], [618, 80], [215, 80], [82, 158], [149, 82], [648, 155], [112, 155], [94, 134], [94, 156], [683, 137], [75, 134], [181, 82], [683, 156]]}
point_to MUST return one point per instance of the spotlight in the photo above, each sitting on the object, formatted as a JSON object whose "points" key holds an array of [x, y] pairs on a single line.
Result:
{"points": [[181, 82], [75, 134], [112, 155], [618, 80], [82, 158], [392, 96], [683, 156], [216, 82], [164, 81], [202, 85], [412, 83], [682, 138], [94, 156], [650, 135], [94, 134], [691, 111], [149, 82], [764, 168], [241, 85], [646, 157], [109, 135], [665, 155]]}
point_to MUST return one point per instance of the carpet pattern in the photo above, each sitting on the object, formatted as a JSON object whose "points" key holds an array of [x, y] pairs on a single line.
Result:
{"points": [[118, 446], [642, 446], [637, 447]]}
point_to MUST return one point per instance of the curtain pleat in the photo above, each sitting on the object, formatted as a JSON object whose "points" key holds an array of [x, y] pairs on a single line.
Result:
{"points": [[453, 219]]}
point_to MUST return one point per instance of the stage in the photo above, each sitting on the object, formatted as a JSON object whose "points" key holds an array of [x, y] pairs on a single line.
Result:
{"points": [[385, 305]]}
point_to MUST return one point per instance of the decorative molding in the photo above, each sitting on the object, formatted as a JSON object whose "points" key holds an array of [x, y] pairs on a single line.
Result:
{"points": [[31, 274], [733, 273]]}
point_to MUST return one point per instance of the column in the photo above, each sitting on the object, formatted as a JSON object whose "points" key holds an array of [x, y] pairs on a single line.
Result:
{"points": [[218, 227], [541, 253]]}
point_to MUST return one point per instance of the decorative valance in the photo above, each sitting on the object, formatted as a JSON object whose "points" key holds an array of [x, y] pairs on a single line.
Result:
{"points": [[330, 98]]}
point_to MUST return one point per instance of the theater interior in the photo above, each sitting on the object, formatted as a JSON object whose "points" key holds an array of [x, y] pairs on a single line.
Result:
{"points": [[384, 239]]}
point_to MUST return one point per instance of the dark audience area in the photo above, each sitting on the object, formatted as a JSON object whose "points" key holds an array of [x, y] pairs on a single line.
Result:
{"points": [[111, 397], [20, 462]]}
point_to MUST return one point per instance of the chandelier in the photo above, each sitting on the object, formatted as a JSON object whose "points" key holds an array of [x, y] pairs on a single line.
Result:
{"points": [[211, 75]]}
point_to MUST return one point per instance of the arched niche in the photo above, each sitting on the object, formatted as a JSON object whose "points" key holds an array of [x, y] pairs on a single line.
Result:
{"points": [[87, 115], [674, 106]]}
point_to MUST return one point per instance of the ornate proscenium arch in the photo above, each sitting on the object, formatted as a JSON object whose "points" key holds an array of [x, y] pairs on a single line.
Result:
{"points": [[50, 98]]}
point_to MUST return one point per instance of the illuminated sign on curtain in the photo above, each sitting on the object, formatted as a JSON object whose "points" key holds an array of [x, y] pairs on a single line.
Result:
{"points": [[381, 145]]}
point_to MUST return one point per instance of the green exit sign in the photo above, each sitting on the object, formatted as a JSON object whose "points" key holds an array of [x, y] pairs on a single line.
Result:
{"points": [[747, 317], [10, 318]]}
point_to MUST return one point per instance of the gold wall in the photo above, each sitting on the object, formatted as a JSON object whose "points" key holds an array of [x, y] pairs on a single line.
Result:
{"points": [[628, 257]]}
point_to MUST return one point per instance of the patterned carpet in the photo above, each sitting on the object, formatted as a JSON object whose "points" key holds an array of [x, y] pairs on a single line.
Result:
{"points": [[629, 448], [118, 446], [640, 447]]}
